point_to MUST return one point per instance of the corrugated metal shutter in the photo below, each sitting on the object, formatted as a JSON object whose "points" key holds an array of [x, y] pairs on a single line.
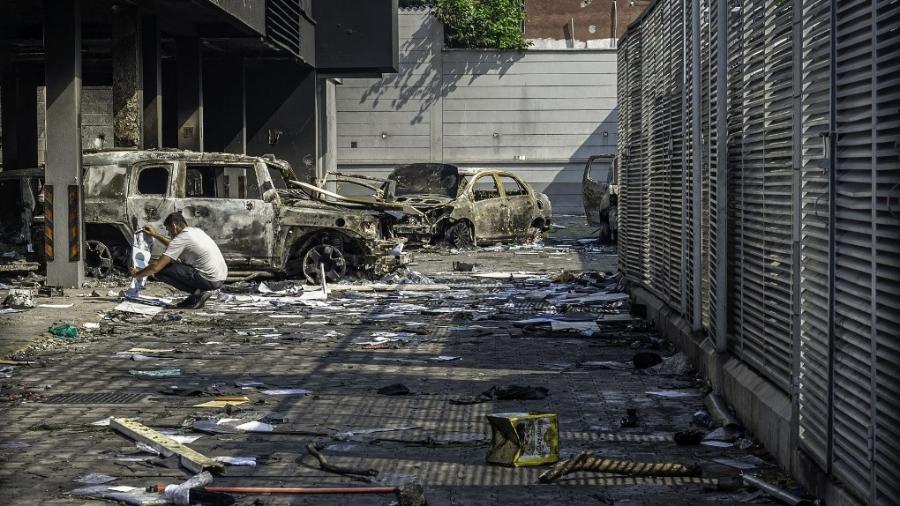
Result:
{"points": [[866, 248], [688, 163], [707, 130], [632, 240], [886, 250], [761, 188], [813, 394]]}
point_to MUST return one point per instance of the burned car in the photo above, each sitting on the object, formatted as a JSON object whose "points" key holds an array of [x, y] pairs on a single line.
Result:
{"points": [[465, 207], [244, 203], [601, 197], [21, 230]]}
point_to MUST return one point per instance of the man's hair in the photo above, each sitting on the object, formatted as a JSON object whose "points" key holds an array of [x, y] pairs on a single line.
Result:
{"points": [[175, 218]]}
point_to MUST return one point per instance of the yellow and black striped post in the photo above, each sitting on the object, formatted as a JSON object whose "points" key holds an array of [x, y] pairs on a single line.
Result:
{"points": [[74, 224], [48, 223]]}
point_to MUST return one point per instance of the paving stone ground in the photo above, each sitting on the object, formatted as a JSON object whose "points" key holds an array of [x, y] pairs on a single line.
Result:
{"points": [[45, 447]]}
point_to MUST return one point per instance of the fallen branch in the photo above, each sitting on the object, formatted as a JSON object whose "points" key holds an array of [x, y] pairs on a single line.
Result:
{"points": [[323, 463]]}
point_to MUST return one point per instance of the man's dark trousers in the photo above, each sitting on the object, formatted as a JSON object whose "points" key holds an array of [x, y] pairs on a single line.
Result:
{"points": [[185, 278]]}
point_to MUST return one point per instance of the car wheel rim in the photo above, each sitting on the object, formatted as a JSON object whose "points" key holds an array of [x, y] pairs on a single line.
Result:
{"points": [[328, 256], [461, 236], [98, 259]]}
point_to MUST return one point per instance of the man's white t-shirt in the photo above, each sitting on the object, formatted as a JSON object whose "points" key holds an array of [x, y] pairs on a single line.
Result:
{"points": [[193, 247]]}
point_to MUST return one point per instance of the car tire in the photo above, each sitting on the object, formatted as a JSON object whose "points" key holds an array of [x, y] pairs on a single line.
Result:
{"points": [[536, 234], [98, 259], [460, 235], [326, 253]]}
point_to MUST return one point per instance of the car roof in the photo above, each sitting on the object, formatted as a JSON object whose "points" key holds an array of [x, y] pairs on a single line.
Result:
{"points": [[129, 156]]}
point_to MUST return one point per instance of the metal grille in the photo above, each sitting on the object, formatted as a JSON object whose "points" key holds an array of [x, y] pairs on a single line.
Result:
{"points": [[813, 401], [885, 173], [96, 398], [283, 24], [760, 172], [813, 215]]}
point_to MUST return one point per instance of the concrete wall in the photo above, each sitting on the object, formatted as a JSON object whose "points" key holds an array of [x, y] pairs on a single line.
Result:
{"points": [[539, 113]]}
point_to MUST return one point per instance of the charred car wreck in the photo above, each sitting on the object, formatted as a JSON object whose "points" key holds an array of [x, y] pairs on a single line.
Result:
{"points": [[244, 203], [465, 207], [601, 197]]}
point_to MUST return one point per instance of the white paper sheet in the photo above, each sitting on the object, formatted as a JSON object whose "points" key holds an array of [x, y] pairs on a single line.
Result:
{"points": [[141, 246]]}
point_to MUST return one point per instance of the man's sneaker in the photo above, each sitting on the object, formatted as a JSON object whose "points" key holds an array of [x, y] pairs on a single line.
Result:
{"points": [[201, 300]]}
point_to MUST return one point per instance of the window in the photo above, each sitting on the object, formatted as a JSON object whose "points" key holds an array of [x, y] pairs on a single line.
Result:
{"points": [[221, 181], [153, 181], [107, 181], [485, 188], [512, 187]]}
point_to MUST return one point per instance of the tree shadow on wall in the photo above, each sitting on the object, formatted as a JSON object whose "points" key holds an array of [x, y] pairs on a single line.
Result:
{"points": [[427, 73]]}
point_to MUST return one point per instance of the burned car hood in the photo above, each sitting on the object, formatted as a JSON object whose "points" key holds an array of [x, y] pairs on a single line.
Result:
{"points": [[427, 181], [424, 201]]}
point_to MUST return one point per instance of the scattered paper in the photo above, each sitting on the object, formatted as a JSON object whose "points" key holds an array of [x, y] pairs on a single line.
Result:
{"points": [[96, 479], [151, 350], [717, 444], [343, 436], [56, 306], [286, 391], [255, 427], [137, 357], [237, 461], [221, 402], [14, 445], [91, 325], [588, 326], [744, 463], [103, 423], [134, 307], [443, 358], [155, 373], [9, 310], [671, 394]]}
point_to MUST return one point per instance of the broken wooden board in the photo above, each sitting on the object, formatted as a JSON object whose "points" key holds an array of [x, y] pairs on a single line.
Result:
{"points": [[166, 446]]}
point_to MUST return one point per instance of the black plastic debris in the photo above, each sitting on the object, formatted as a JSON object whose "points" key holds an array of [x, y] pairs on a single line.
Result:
{"points": [[630, 420], [689, 437], [395, 389], [645, 359]]}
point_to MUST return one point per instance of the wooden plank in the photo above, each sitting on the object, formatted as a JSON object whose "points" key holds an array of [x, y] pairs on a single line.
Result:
{"points": [[166, 446]]}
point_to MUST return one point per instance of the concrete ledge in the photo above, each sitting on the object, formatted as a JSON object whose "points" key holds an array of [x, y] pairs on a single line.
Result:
{"points": [[764, 409]]}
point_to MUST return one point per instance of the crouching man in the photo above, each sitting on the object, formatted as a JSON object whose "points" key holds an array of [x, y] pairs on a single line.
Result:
{"points": [[191, 263]]}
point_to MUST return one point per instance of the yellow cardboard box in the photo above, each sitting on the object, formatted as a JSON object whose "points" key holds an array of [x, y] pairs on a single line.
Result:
{"points": [[523, 439]]}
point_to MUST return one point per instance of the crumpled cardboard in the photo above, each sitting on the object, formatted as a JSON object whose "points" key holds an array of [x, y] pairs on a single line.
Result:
{"points": [[523, 439]]}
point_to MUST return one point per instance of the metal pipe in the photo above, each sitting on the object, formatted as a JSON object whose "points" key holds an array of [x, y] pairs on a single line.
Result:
{"points": [[303, 490], [721, 274], [776, 492], [717, 408], [696, 179]]}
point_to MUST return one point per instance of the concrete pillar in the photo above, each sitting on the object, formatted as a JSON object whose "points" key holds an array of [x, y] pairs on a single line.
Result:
{"points": [[64, 230], [127, 88], [152, 80], [190, 93]]}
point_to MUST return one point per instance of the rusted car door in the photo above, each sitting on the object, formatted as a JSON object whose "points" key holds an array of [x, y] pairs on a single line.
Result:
{"points": [[491, 210], [225, 201], [594, 187], [521, 205], [151, 197]]}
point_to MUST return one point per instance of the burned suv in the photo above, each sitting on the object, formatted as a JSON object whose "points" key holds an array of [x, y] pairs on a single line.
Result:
{"points": [[244, 203], [466, 206]]}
